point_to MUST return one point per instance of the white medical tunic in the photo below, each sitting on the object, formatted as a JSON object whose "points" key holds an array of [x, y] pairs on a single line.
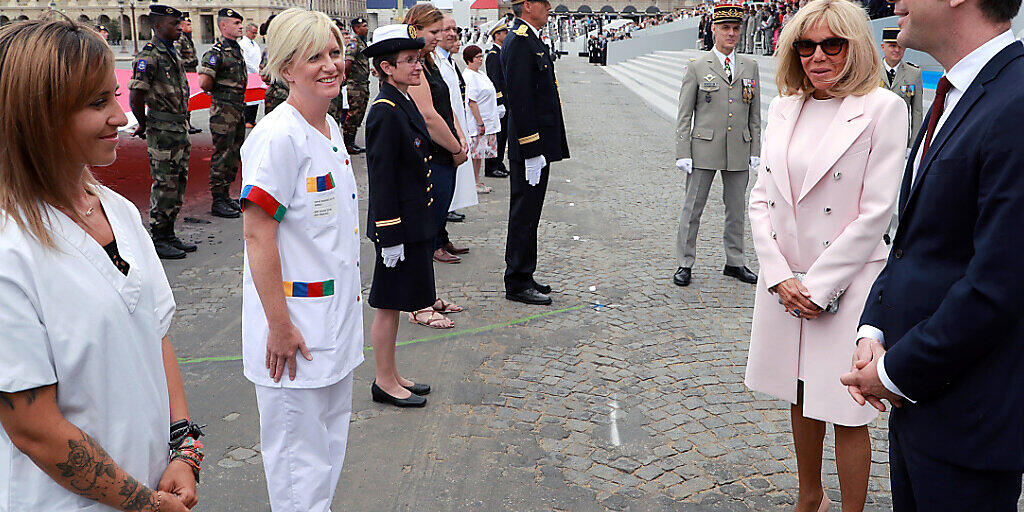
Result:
{"points": [[304, 181], [70, 317]]}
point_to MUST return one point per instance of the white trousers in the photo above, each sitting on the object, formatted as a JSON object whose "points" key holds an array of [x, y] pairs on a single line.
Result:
{"points": [[303, 434]]}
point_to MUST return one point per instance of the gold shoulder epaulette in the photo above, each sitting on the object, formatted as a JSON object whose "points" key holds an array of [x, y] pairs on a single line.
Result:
{"points": [[521, 31], [384, 100]]}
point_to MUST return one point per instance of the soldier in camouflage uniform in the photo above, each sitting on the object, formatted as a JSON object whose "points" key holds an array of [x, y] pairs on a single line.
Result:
{"points": [[357, 67], [158, 82], [338, 109], [222, 74], [276, 92], [189, 60]]}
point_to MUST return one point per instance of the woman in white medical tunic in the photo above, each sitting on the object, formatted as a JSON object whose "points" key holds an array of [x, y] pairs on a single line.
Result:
{"points": [[90, 384], [301, 302]]}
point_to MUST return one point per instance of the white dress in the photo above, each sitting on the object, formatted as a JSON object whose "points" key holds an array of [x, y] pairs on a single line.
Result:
{"points": [[71, 318], [465, 180]]}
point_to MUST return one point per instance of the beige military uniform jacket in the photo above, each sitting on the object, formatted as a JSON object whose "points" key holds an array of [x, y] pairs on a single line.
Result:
{"points": [[908, 85], [719, 121]]}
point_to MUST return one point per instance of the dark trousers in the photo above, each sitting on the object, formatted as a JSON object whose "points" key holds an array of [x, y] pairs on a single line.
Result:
{"points": [[525, 205], [493, 164], [250, 113], [921, 483], [442, 177]]}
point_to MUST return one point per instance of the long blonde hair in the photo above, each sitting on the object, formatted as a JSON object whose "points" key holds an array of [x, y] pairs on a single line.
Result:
{"points": [[49, 69], [859, 76]]}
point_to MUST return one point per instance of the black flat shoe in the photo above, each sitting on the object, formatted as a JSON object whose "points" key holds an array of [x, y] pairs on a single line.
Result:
{"points": [[682, 277], [419, 389], [455, 217], [529, 296], [742, 273], [543, 288], [381, 396]]}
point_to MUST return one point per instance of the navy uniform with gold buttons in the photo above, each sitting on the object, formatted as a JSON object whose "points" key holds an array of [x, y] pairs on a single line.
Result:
{"points": [[495, 167], [535, 128], [400, 201]]}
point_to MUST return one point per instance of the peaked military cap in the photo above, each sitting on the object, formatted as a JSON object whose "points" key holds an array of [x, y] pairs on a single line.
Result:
{"points": [[359, 20], [889, 35], [229, 13], [726, 13], [393, 38], [164, 10], [497, 28]]}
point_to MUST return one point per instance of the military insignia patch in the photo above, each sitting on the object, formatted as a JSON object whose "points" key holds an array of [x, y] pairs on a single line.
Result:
{"points": [[412, 31], [141, 66], [416, 142], [685, 68], [709, 78], [212, 60]]}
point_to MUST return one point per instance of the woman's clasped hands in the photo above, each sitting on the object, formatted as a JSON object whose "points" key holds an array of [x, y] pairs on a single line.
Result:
{"points": [[796, 298]]}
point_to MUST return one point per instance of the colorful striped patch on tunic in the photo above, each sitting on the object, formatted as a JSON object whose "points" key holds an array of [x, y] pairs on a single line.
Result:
{"points": [[320, 183], [264, 200], [300, 289]]}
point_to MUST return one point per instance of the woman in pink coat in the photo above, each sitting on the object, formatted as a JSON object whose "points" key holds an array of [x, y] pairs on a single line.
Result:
{"points": [[832, 159]]}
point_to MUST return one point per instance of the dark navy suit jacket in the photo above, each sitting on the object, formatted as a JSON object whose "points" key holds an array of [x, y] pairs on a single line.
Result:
{"points": [[950, 300]]}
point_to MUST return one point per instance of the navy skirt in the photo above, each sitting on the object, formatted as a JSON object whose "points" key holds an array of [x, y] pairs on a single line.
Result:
{"points": [[408, 286]]}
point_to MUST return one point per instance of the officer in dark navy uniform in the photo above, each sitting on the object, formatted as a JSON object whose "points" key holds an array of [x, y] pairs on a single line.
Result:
{"points": [[495, 167], [536, 139]]}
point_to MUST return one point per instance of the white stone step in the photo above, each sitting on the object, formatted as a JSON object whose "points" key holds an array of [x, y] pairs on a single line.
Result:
{"points": [[664, 106]]}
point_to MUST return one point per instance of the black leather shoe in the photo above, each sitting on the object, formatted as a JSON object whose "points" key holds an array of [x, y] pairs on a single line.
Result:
{"points": [[181, 245], [682, 277], [166, 251], [381, 396], [193, 130], [419, 389], [742, 273], [222, 208], [236, 204], [455, 217], [543, 288], [496, 173], [355, 150], [529, 296]]}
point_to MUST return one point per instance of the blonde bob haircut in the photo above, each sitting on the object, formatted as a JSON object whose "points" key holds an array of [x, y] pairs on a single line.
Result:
{"points": [[295, 35], [859, 76]]}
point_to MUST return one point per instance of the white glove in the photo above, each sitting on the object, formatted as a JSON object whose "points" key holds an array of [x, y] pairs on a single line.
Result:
{"points": [[533, 168], [501, 111], [392, 255], [685, 164], [755, 162]]}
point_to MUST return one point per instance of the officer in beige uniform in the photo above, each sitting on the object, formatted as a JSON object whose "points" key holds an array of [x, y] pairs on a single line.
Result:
{"points": [[902, 78], [718, 129]]}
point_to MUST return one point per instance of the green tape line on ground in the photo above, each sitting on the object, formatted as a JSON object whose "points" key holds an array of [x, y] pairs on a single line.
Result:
{"points": [[475, 330]]}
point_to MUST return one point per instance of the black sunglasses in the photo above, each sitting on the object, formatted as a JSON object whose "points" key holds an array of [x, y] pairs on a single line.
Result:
{"points": [[831, 46]]}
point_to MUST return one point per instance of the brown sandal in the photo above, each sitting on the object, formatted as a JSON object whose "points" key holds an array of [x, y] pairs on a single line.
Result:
{"points": [[446, 307], [434, 321]]}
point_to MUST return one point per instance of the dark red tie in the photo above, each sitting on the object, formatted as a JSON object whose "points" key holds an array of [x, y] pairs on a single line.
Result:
{"points": [[938, 105]]}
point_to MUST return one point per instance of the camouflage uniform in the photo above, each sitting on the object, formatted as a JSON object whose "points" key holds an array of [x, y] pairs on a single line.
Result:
{"points": [[276, 93], [189, 60], [337, 109], [158, 71], [224, 63], [358, 84]]}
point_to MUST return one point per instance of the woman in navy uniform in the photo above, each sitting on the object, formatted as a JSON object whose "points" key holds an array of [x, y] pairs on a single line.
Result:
{"points": [[399, 219]]}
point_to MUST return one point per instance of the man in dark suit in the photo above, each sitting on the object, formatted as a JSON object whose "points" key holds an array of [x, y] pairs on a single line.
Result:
{"points": [[942, 334], [536, 139], [495, 167]]}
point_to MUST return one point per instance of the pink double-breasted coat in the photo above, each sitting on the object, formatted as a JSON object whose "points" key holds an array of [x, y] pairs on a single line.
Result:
{"points": [[833, 233]]}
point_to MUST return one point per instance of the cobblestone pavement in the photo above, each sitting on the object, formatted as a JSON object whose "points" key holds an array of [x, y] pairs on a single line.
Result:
{"points": [[626, 394]]}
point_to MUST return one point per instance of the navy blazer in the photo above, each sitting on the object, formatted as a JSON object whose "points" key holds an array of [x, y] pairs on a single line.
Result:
{"points": [[950, 300]]}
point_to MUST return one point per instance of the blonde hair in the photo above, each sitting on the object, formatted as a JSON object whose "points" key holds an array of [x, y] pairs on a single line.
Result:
{"points": [[421, 16], [295, 35], [49, 69], [860, 73]]}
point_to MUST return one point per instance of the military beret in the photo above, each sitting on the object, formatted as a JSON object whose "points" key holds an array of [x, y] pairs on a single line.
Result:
{"points": [[229, 13], [497, 28], [101, 28], [889, 35], [359, 20], [393, 38], [184, 17], [164, 10]]}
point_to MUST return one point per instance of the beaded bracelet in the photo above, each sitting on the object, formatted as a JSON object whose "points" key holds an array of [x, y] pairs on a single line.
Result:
{"points": [[190, 452]]}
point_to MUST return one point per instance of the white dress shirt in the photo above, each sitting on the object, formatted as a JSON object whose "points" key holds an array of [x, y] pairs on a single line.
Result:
{"points": [[251, 53], [960, 77], [721, 59]]}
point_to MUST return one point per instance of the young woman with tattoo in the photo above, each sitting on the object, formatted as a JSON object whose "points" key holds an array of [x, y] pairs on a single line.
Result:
{"points": [[90, 384]]}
